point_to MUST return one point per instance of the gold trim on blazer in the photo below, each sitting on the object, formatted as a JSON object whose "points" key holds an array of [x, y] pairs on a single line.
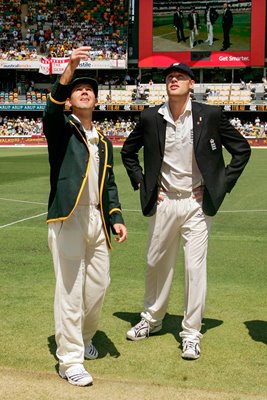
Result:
{"points": [[101, 189], [55, 101], [82, 185]]}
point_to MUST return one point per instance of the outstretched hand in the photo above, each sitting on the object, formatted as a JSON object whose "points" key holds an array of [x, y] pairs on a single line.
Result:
{"points": [[81, 53]]}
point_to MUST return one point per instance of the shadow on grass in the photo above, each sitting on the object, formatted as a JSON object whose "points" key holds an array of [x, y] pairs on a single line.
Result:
{"points": [[51, 344], [101, 341], [257, 330], [171, 323], [105, 345]]}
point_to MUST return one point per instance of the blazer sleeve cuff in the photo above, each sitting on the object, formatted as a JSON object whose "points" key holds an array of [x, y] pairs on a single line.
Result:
{"points": [[59, 93]]}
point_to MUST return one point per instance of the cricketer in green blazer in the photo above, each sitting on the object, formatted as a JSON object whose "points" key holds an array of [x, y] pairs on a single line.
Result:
{"points": [[69, 159]]}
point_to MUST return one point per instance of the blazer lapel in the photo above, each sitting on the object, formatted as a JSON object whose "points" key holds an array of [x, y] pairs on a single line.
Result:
{"points": [[102, 151], [161, 130], [198, 122]]}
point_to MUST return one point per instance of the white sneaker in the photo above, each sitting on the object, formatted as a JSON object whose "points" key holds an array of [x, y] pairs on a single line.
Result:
{"points": [[90, 352], [77, 375], [142, 330], [191, 349]]}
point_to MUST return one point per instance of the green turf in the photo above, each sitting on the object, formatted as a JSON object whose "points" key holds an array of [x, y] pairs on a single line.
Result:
{"points": [[239, 35], [234, 346]]}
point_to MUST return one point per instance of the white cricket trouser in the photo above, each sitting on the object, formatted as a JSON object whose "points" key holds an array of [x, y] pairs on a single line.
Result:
{"points": [[210, 33], [178, 216], [192, 36], [81, 263]]}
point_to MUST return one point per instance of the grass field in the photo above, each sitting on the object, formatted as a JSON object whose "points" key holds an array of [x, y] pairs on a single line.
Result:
{"points": [[165, 39], [234, 347]]}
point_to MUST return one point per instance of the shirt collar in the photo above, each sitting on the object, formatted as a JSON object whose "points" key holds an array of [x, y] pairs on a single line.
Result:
{"points": [[165, 111], [91, 135]]}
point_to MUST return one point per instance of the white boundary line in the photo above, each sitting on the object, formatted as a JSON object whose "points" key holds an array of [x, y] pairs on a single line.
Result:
{"points": [[242, 211], [126, 210], [224, 211], [22, 201], [22, 220], [131, 210], [40, 215]]}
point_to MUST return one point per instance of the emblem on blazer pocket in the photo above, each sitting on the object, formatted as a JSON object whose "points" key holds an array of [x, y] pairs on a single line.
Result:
{"points": [[213, 145]]}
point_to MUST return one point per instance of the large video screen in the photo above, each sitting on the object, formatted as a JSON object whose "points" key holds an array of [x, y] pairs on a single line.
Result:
{"points": [[188, 31]]}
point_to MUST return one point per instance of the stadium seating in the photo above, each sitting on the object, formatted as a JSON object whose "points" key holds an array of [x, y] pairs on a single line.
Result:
{"points": [[227, 94], [100, 24]]}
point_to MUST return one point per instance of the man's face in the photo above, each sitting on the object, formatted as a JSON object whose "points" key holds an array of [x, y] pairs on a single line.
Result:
{"points": [[178, 84], [83, 97]]}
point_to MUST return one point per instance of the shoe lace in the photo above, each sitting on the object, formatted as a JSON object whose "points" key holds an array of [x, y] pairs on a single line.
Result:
{"points": [[190, 345], [142, 323]]}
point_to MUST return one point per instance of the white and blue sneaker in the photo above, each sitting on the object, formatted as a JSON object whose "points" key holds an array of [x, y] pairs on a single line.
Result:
{"points": [[77, 375], [142, 330], [90, 352], [191, 349]]}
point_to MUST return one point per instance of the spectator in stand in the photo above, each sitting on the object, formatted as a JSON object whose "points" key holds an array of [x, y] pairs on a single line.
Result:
{"points": [[140, 91], [257, 121], [26, 21], [243, 85], [19, 87], [251, 87], [264, 81], [127, 79]]}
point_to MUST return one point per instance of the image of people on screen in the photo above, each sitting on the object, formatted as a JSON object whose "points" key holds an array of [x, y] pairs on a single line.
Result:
{"points": [[201, 25]]}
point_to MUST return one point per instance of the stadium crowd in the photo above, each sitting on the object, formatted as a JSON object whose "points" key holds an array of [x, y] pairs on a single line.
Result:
{"points": [[54, 28], [20, 126], [32, 126], [119, 126]]}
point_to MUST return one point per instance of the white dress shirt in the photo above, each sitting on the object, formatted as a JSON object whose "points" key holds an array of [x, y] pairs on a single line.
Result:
{"points": [[179, 172]]}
